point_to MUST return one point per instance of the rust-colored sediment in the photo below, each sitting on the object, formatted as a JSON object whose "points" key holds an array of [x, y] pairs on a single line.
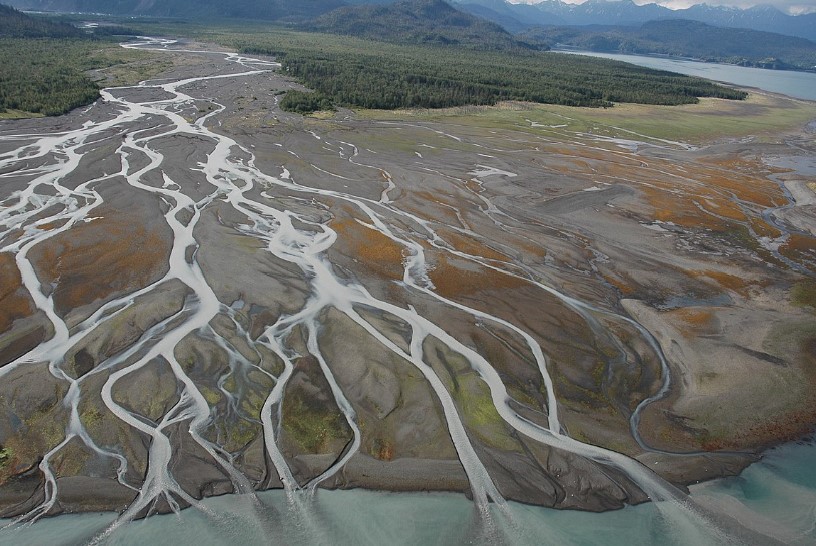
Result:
{"points": [[116, 253], [739, 285], [799, 248], [453, 277], [53, 225], [377, 252], [695, 321], [471, 246], [14, 301]]}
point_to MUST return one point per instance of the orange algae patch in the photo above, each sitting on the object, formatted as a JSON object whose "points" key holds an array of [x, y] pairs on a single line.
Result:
{"points": [[114, 254], [453, 277], [679, 209], [53, 225], [764, 229], [751, 189], [377, 252], [531, 248], [623, 283], [444, 212], [695, 321], [14, 302], [471, 246], [736, 284], [722, 207], [799, 248], [383, 450], [709, 195]]}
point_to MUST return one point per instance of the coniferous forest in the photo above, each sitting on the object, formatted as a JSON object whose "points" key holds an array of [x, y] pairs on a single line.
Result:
{"points": [[45, 67], [361, 73], [45, 63]]}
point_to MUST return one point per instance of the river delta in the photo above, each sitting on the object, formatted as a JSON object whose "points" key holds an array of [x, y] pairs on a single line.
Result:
{"points": [[204, 295]]}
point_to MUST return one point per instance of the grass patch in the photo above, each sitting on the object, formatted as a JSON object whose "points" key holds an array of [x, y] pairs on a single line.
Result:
{"points": [[5, 456], [709, 120], [311, 424], [803, 294]]}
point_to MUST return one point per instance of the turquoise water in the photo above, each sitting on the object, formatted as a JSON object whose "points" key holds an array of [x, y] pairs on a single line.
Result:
{"points": [[801, 85], [778, 492]]}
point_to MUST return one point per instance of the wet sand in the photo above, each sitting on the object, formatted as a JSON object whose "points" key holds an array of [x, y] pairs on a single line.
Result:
{"points": [[203, 294]]}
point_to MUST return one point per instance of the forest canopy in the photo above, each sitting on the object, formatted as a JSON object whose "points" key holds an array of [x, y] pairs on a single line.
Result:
{"points": [[361, 73], [45, 63]]}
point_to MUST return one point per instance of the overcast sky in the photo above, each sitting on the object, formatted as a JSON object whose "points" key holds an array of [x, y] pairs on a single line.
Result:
{"points": [[794, 7]]}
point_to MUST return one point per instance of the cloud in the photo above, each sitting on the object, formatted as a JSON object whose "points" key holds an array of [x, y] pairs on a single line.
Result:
{"points": [[793, 7]]}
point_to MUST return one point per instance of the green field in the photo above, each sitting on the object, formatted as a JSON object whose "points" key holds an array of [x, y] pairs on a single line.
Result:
{"points": [[709, 120]]}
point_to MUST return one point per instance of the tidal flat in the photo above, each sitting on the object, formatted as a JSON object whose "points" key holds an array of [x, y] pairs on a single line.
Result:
{"points": [[573, 308]]}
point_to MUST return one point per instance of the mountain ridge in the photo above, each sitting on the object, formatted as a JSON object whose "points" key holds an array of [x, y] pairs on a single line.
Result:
{"points": [[686, 38], [513, 17], [627, 13], [415, 22]]}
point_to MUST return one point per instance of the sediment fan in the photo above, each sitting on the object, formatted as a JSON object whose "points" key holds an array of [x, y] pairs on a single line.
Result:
{"points": [[156, 384]]}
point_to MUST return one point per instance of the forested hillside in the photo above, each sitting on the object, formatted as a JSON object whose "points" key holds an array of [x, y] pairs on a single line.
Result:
{"points": [[44, 64], [362, 73], [415, 22], [688, 39], [16, 24], [190, 9], [517, 15]]}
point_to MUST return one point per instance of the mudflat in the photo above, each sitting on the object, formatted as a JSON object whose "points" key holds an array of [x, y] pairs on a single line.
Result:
{"points": [[202, 294]]}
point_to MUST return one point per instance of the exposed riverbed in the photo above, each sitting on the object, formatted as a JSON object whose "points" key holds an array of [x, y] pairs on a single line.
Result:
{"points": [[206, 295]]}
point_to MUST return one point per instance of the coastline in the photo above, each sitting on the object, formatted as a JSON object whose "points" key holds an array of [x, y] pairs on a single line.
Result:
{"points": [[795, 83], [563, 48]]}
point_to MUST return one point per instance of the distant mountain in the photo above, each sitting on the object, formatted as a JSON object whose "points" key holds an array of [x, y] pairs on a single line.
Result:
{"points": [[16, 24], [627, 13], [512, 17], [249, 9], [687, 39], [505, 17], [415, 22]]}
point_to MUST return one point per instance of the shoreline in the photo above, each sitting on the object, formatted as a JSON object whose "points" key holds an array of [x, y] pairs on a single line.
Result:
{"points": [[561, 48], [429, 510], [802, 89]]}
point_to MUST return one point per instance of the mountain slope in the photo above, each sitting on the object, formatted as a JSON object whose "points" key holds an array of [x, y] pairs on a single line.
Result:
{"points": [[688, 39], [19, 25], [513, 17], [415, 22], [250, 9], [626, 12]]}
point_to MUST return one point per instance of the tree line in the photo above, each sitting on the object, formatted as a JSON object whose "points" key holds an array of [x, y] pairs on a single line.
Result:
{"points": [[44, 63], [44, 75], [361, 73]]}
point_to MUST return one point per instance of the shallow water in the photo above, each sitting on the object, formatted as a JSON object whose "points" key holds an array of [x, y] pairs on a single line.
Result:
{"points": [[801, 85], [781, 488]]}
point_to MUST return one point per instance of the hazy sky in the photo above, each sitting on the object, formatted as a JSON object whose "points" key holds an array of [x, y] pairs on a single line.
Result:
{"points": [[794, 7]]}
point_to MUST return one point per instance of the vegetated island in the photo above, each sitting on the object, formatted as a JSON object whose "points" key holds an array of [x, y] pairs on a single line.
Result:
{"points": [[51, 67]]}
